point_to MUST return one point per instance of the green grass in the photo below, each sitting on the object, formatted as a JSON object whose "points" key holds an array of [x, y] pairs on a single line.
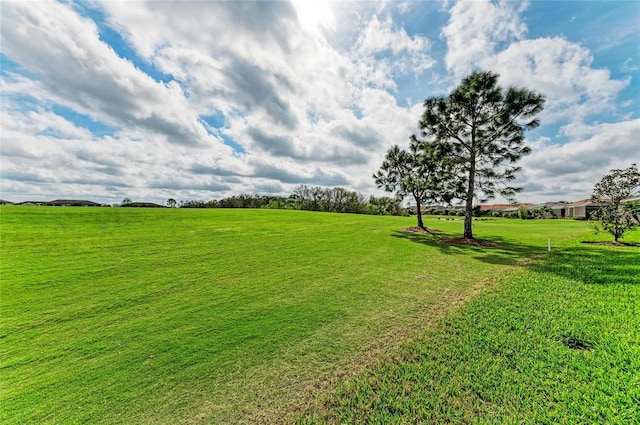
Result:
{"points": [[115, 315], [555, 342]]}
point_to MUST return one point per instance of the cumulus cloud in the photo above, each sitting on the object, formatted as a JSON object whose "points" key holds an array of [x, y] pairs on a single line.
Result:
{"points": [[561, 70], [73, 67], [476, 29], [574, 167], [210, 99]]}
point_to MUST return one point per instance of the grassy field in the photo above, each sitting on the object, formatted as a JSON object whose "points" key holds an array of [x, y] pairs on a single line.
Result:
{"points": [[221, 316], [554, 342]]}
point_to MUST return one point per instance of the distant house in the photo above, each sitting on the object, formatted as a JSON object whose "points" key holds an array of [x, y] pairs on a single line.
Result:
{"points": [[504, 208], [584, 208], [30, 203], [143, 205], [495, 207], [559, 209], [71, 203]]}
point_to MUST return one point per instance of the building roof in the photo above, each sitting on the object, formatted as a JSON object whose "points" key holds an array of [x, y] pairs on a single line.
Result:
{"points": [[74, 202], [587, 203], [504, 207], [495, 207], [143, 205]]}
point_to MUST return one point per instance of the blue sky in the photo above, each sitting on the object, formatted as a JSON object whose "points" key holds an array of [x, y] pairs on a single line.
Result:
{"points": [[202, 100]]}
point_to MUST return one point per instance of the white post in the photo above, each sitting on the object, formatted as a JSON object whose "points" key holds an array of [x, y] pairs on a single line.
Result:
{"points": [[549, 244]]}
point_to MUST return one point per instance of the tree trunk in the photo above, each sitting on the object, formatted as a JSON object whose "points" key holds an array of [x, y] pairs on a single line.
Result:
{"points": [[468, 217], [468, 210], [419, 214]]}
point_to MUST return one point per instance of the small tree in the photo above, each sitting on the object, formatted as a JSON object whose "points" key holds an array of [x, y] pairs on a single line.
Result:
{"points": [[523, 212], [171, 203], [615, 187], [125, 202], [419, 172]]}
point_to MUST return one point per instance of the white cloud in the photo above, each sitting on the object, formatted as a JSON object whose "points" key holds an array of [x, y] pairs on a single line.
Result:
{"points": [[404, 7], [315, 16], [476, 29], [562, 71], [573, 168], [379, 36], [409, 53], [76, 69], [310, 93], [302, 110]]}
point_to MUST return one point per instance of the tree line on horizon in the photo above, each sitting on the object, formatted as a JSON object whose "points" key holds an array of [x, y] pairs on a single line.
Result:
{"points": [[316, 198]]}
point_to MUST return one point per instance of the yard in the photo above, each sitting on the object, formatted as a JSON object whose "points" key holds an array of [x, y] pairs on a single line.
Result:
{"points": [[116, 315]]}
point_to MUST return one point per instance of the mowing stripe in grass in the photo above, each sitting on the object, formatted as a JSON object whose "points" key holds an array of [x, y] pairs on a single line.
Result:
{"points": [[554, 342], [114, 315]]}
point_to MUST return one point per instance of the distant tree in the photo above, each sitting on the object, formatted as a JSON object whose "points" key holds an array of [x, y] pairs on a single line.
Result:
{"points": [[484, 126], [618, 216], [171, 203], [419, 172], [192, 204], [544, 212], [384, 205], [336, 199], [524, 213], [125, 202]]}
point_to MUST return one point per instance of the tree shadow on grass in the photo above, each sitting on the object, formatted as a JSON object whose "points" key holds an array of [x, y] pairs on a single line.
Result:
{"points": [[599, 265], [505, 252], [589, 264]]}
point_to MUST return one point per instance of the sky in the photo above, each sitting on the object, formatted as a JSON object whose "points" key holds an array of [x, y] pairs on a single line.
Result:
{"points": [[201, 100]]}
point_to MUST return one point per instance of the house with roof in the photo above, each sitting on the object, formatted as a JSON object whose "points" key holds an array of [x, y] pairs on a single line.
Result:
{"points": [[143, 205], [495, 207], [71, 203], [584, 208], [558, 209], [504, 209]]}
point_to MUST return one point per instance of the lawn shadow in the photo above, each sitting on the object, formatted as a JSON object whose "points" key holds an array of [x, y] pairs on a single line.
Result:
{"points": [[505, 252], [589, 263], [594, 264]]}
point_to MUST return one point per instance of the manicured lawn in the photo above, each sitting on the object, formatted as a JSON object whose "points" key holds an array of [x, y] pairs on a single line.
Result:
{"points": [[113, 315], [555, 342]]}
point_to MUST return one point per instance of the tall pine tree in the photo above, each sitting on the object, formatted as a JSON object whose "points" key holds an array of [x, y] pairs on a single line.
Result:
{"points": [[483, 125]]}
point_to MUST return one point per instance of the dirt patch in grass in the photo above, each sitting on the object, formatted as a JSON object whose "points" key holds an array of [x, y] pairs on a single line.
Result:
{"points": [[575, 343], [416, 229], [470, 242], [611, 243]]}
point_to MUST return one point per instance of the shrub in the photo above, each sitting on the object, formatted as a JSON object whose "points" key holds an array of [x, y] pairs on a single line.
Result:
{"points": [[524, 213]]}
